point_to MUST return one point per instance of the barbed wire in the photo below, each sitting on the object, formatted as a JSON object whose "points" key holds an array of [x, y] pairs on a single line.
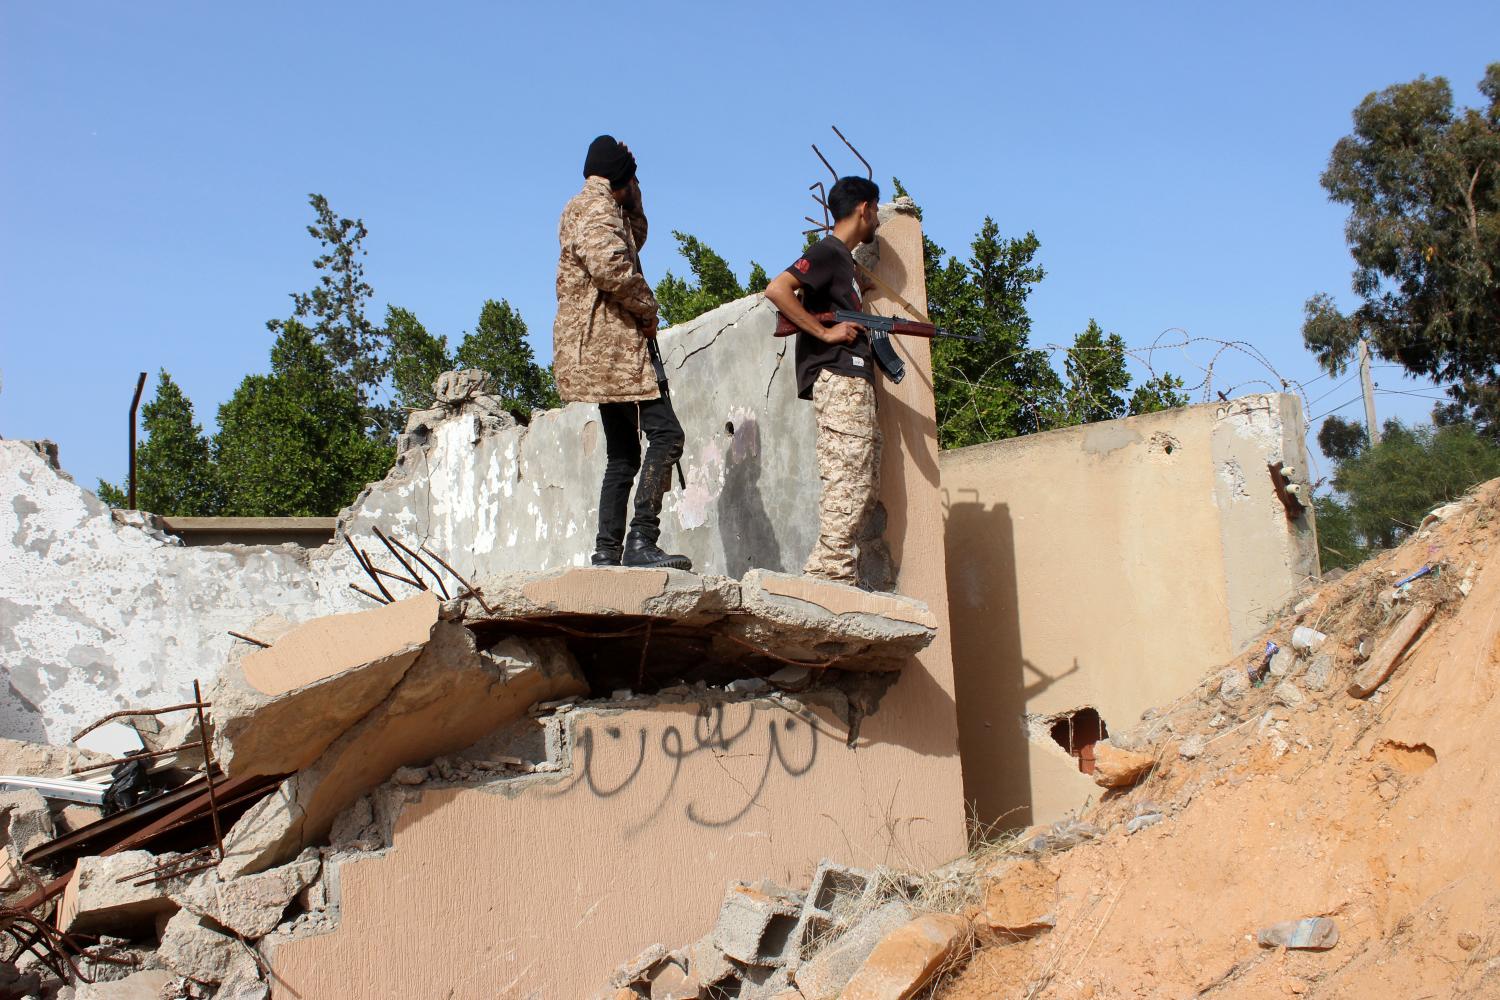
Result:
{"points": [[1211, 368]]}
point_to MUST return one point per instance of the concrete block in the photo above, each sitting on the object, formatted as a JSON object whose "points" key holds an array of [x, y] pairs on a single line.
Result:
{"points": [[755, 926], [97, 902], [825, 971], [707, 962], [276, 709], [251, 906], [190, 947], [907, 959], [25, 820]]}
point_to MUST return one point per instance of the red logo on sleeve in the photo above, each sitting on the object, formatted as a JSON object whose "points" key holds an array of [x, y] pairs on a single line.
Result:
{"points": [[802, 265]]}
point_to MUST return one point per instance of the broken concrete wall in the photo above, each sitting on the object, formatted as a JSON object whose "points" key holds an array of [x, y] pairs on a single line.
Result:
{"points": [[102, 611], [1107, 566]]}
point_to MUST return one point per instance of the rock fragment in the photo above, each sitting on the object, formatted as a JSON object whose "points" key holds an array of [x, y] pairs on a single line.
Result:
{"points": [[191, 948], [907, 959], [1116, 768], [25, 820]]}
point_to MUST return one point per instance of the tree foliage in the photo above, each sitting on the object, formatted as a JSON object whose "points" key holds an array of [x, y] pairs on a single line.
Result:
{"points": [[174, 469], [1422, 182], [335, 313], [498, 346], [1340, 439], [293, 442], [417, 358], [713, 282], [1385, 490]]}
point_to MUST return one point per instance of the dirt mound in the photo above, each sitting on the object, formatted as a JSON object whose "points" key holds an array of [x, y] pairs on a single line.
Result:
{"points": [[1290, 799]]}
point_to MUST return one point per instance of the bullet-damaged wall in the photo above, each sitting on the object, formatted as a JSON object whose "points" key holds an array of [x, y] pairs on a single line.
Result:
{"points": [[1107, 566]]}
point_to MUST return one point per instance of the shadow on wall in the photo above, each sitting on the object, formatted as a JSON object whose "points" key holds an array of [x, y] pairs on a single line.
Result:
{"points": [[993, 680], [748, 536]]}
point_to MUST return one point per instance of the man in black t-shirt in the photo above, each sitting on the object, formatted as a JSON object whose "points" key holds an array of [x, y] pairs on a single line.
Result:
{"points": [[836, 370]]}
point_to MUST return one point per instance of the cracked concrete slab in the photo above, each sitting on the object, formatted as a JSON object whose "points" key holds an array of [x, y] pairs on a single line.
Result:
{"points": [[276, 709], [767, 617]]}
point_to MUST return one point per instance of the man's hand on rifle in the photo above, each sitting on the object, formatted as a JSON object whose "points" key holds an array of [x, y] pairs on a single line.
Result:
{"points": [[840, 333]]}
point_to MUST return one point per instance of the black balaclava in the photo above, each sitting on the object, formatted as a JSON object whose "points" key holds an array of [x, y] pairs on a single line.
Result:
{"points": [[608, 159]]}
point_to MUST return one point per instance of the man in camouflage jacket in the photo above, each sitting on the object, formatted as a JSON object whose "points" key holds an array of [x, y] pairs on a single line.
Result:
{"points": [[605, 315]]}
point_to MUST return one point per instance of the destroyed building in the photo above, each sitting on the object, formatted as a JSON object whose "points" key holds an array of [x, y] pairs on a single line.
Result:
{"points": [[447, 752]]}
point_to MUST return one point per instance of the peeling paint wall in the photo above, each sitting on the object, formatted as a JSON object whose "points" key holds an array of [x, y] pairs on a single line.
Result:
{"points": [[1109, 566]]}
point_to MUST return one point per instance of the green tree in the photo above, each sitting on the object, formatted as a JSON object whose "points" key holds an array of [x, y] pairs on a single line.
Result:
{"points": [[334, 312], [713, 284], [498, 346], [293, 443], [1000, 386], [1096, 378], [1388, 488], [1340, 439], [417, 358], [1339, 546], [174, 469], [1159, 392], [1422, 182]]}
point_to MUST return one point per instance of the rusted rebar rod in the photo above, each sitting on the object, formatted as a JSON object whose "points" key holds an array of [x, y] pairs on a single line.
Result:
{"points": [[399, 578], [131, 711], [469, 586], [250, 639], [364, 564], [374, 597], [438, 577], [406, 565]]}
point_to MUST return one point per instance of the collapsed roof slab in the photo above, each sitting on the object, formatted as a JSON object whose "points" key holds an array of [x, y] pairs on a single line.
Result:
{"points": [[749, 626]]}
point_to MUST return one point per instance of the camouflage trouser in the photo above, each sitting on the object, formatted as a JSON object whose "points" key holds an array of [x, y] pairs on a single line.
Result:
{"points": [[849, 465]]}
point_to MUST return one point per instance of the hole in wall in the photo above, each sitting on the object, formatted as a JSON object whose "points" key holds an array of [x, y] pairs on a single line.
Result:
{"points": [[1077, 732], [729, 427]]}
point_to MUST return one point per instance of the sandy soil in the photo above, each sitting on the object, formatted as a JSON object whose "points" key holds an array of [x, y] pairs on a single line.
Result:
{"points": [[1381, 814]]}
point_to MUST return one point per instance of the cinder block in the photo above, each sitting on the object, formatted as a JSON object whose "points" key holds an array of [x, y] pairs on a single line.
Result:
{"points": [[755, 926]]}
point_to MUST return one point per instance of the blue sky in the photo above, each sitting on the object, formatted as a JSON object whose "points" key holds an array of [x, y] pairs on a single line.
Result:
{"points": [[157, 159]]}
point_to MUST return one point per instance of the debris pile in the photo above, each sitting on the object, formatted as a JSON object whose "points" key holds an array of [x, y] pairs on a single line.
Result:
{"points": [[179, 866], [1299, 823], [853, 933]]}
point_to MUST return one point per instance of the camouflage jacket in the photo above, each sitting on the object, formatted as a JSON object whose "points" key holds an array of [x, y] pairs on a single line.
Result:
{"points": [[603, 302]]}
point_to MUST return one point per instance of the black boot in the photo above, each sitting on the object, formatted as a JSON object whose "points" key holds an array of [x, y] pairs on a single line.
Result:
{"points": [[642, 551], [606, 555]]}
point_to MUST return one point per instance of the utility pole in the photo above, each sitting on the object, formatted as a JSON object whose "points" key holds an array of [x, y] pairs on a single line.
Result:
{"points": [[1368, 389]]}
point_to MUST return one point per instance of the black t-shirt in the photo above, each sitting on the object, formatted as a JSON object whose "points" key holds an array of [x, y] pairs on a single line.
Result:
{"points": [[826, 274]]}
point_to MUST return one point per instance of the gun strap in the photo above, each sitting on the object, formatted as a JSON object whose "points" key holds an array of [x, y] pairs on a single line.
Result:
{"points": [[892, 294]]}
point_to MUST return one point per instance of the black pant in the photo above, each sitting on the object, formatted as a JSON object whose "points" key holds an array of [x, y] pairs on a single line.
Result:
{"points": [[623, 425]]}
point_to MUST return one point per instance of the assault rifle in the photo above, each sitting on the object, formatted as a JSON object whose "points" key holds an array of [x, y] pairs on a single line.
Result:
{"points": [[880, 329]]}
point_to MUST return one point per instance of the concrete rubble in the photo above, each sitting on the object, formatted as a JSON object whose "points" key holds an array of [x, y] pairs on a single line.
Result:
{"points": [[771, 942], [337, 724]]}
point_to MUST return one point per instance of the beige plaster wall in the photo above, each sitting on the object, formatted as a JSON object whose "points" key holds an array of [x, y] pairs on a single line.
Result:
{"points": [[542, 893], [1109, 566]]}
